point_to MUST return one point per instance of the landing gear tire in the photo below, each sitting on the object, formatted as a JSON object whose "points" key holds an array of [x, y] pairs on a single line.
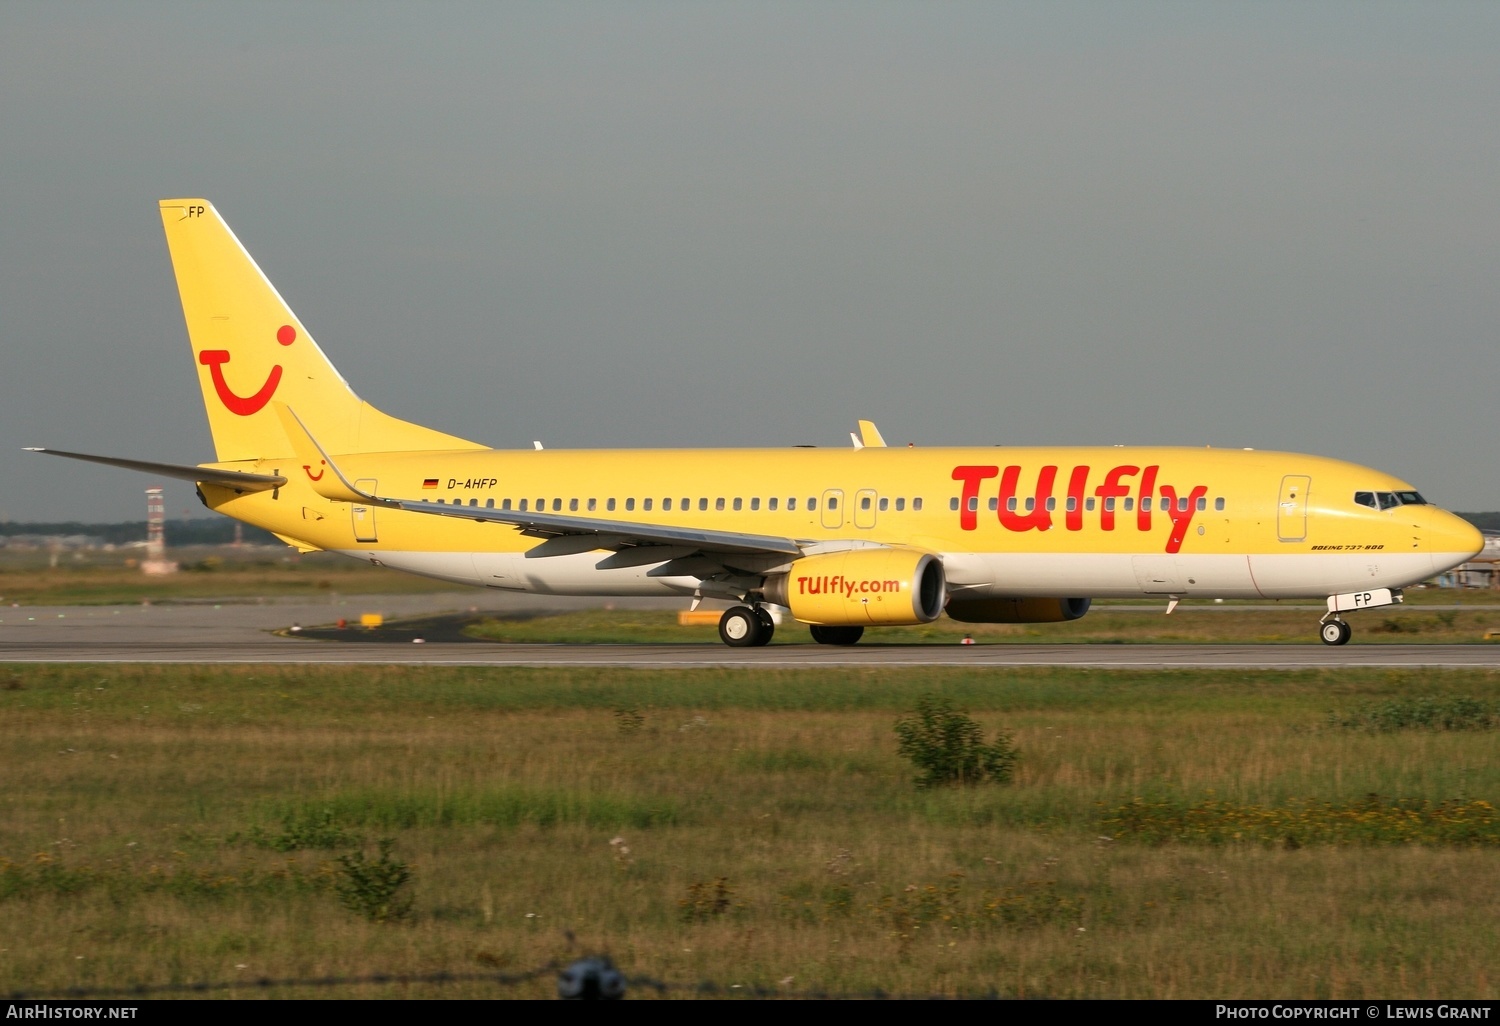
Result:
{"points": [[767, 625], [836, 635], [1336, 632], [742, 627]]}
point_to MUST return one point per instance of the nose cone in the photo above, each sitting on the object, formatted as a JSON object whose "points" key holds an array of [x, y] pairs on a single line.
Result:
{"points": [[1451, 540]]}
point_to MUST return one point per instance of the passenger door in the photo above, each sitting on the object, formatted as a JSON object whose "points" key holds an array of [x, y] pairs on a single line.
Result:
{"points": [[1291, 508]]}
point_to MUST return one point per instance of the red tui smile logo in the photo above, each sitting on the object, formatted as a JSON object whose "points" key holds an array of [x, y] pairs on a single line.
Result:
{"points": [[244, 406]]}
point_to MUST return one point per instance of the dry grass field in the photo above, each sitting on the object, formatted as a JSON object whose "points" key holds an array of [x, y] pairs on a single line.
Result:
{"points": [[1166, 834]]}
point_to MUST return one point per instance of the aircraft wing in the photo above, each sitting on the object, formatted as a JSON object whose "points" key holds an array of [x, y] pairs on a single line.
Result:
{"points": [[666, 541], [236, 479], [609, 534]]}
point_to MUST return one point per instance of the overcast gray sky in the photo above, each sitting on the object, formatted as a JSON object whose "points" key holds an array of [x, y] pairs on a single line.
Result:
{"points": [[660, 224]]}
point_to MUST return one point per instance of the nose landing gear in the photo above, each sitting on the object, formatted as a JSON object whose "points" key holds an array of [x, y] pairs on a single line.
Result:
{"points": [[1335, 631]]}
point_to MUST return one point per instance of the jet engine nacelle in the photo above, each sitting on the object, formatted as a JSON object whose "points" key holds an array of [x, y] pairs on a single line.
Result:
{"points": [[862, 587], [1017, 610]]}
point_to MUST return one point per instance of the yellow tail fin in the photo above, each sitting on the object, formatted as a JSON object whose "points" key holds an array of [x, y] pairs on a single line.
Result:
{"points": [[250, 348]]}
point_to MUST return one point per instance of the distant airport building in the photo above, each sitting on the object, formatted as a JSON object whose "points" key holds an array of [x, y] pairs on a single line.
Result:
{"points": [[1483, 571]]}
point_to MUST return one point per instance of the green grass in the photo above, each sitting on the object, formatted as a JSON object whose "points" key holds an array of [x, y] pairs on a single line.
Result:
{"points": [[1176, 834]]}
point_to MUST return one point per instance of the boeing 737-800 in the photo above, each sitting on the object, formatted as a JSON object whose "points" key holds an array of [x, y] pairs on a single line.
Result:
{"points": [[844, 539]]}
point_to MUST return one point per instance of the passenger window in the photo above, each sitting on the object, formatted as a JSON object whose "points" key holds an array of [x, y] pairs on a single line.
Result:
{"points": [[1146, 503], [572, 505], [771, 505], [609, 505], [791, 504], [1109, 504], [738, 504], [885, 504], [1202, 504], [489, 503], [1051, 503], [666, 505], [702, 504], [973, 503], [1219, 504], [557, 505], [864, 502], [505, 504], [1088, 504], [953, 504], [754, 504], [1182, 504], [523, 505], [994, 503], [812, 504], [1129, 504], [1010, 503], [916, 505], [900, 505], [541, 504], [646, 505], [593, 505], [833, 503], [1072, 504], [719, 505], [473, 502]]}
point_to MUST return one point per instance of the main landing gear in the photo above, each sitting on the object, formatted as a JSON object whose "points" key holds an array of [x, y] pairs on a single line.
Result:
{"points": [[1335, 631], [746, 627], [836, 635]]}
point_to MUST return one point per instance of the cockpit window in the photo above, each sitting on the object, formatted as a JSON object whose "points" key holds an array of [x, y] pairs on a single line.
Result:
{"points": [[1388, 500]]}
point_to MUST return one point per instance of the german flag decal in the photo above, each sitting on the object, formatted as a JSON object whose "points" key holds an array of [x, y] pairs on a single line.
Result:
{"points": [[430, 482]]}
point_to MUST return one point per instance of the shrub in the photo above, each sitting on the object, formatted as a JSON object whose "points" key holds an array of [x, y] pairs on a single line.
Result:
{"points": [[1421, 713], [304, 830], [948, 747], [372, 888]]}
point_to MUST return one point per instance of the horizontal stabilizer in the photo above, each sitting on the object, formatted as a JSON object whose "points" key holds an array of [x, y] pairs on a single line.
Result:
{"points": [[237, 479]]}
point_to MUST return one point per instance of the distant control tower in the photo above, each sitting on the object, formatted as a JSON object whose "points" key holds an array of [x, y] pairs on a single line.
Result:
{"points": [[156, 561]]}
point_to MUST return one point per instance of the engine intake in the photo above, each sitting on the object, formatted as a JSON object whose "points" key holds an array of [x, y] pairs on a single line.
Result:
{"points": [[862, 586], [1017, 610]]}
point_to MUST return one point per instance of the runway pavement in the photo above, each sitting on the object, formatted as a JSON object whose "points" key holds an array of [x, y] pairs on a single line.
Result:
{"points": [[243, 633]]}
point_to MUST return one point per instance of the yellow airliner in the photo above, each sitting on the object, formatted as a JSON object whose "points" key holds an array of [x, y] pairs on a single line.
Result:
{"points": [[843, 538]]}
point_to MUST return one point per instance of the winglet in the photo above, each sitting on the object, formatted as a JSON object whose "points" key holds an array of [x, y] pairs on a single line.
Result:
{"points": [[869, 436], [311, 454]]}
